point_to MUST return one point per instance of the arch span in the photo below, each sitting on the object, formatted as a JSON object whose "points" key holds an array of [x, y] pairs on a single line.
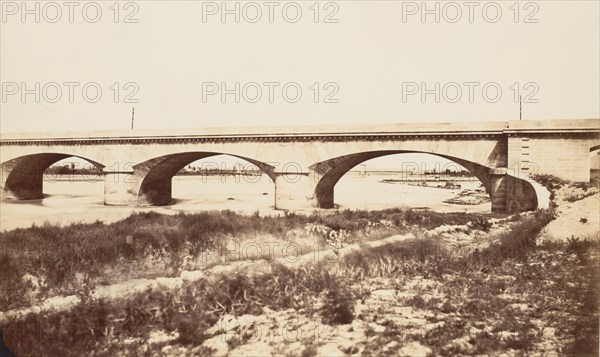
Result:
{"points": [[150, 182], [22, 177], [521, 195]]}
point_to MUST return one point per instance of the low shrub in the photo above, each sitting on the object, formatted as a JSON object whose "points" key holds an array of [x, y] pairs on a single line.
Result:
{"points": [[339, 305], [520, 240], [551, 182]]}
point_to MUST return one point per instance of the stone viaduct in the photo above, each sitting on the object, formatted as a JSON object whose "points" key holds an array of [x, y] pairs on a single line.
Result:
{"points": [[305, 163]]}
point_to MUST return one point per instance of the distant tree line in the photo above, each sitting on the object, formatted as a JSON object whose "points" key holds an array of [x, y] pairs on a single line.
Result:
{"points": [[448, 172], [213, 171], [72, 169]]}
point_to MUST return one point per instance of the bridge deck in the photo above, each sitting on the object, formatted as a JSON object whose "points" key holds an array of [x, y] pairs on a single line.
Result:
{"points": [[447, 129]]}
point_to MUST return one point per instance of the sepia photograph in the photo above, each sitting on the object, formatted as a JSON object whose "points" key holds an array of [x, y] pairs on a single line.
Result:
{"points": [[305, 178]]}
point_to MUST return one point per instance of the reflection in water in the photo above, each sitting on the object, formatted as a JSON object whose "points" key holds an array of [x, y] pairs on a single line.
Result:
{"points": [[77, 201]]}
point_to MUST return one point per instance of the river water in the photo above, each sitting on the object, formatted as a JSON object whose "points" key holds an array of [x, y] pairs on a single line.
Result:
{"points": [[80, 201]]}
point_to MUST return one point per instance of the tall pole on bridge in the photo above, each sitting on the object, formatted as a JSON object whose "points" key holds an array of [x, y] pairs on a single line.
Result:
{"points": [[132, 114], [520, 108]]}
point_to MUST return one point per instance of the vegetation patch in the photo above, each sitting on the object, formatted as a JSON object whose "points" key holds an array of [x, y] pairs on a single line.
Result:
{"points": [[43, 261], [420, 296]]}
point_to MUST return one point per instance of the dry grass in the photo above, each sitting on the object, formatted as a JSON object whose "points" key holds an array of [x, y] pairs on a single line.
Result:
{"points": [[63, 260], [473, 298]]}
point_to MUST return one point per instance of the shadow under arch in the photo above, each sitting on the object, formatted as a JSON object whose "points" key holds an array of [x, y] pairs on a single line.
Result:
{"points": [[507, 192], [154, 176], [22, 177]]}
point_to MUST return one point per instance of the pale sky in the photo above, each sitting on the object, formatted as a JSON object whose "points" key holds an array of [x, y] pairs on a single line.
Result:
{"points": [[371, 56]]}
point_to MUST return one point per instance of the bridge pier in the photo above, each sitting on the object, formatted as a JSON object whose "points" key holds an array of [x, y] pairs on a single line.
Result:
{"points": [[294, 191], [29, 187], [119, 188], [158, 192]]}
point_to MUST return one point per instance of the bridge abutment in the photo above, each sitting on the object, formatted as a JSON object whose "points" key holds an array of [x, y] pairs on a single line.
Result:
{"points": [[564, 155], [523, 194], [510, 193], [497, 189]]}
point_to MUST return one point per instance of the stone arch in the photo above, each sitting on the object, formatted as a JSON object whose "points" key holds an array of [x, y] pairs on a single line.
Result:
{"points": [[327, 173], [22, 177], [154, 177]]}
